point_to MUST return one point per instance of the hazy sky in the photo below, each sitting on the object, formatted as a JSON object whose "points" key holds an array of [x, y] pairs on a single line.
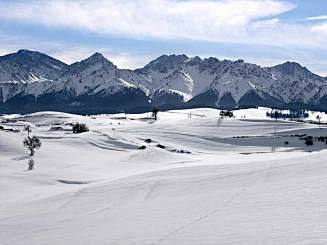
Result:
{"points": [[132, 32]]}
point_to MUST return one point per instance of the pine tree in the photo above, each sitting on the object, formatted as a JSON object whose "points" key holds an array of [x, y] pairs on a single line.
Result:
{"points": [[32, 143]]}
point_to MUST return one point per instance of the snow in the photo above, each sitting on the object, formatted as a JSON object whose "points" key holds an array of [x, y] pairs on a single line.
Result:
{"points": [[128, 85], [99, 188], [252, 85], [186, 97]]}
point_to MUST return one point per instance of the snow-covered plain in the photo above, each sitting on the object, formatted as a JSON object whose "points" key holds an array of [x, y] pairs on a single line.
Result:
{"points": [[237, 182]]}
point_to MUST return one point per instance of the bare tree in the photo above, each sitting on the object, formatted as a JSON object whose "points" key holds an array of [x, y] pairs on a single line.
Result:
{"points": [[318, 118], [155, 113], [28, 129], [31, 164], [276, 115]]}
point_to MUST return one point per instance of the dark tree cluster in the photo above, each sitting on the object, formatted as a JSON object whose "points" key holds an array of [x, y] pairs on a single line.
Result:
{"points": [[226, 114], [291, 114], [308, 140], [79, 128]]}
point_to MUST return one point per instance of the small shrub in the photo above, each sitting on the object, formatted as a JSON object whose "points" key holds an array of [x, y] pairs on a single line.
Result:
{"points": [[181, 151], [226, 114], [185, 151], [286, 142], [308, 140], [1, 127], [161, 146], [79, 128], [142, 147], [56, 128], [32, 143], [147, 140]]}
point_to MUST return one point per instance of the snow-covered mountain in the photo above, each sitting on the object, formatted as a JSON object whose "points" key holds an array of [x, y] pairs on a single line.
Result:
{"points": [[211, 82], [31, 81], [27, 67]]}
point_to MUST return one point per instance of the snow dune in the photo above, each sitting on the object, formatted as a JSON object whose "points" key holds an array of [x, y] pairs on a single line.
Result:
{"points": [[99, 188]]}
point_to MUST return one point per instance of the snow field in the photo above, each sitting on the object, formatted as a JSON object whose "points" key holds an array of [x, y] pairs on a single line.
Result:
{"points": [[99, 188]]}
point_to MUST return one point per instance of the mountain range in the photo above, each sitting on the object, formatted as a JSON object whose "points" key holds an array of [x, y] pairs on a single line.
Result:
{"points": [[32, 81]]}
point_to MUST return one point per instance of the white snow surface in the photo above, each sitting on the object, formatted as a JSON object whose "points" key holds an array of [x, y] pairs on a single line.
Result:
{"points": [[99, 188]]}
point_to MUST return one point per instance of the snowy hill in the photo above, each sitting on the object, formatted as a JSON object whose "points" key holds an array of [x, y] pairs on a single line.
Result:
{"points": [[31, 81], [199, 180]]}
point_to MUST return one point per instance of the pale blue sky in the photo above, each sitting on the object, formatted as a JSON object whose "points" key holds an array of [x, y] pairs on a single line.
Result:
{"points": [[131, 33]]}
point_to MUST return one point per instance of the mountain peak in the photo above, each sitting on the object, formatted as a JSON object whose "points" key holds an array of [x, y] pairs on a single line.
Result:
{"points": [[24, 56], [26, 51], [292, 64], [292, 69], [163, 62], [194, 60], [170, 59], [96, 60], [23, 53], [96, 57], [27, 66]]}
